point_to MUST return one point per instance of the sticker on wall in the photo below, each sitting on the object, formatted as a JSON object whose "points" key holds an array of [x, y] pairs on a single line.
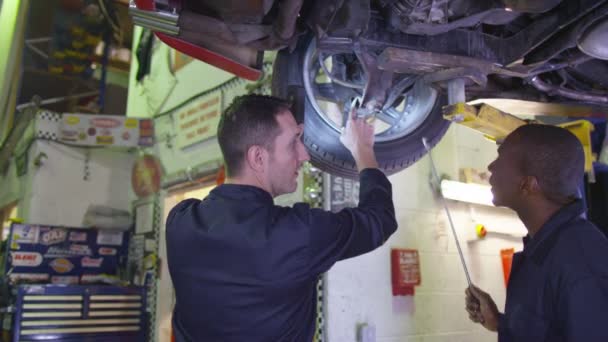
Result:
{"points": [[70, 135], [53, 236], [145, 176], [91, 262], [80, 249], [61, 265], [99, 278], [26, 259], [104, 140], [29, 277], [344, 193], [109, 238], [107, 251], [73, 250], [64, 280], [78, 236], [150, 245], [146, 132], [179, 60], [23, 233], [106, 130]]}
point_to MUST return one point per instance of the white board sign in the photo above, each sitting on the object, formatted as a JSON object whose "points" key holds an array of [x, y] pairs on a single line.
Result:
{"points": [[198, 120]]}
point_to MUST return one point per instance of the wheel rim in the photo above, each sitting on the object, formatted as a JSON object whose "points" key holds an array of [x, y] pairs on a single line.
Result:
{"points": [[331, 100]]}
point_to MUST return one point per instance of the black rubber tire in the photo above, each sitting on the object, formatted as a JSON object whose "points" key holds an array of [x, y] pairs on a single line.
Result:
{"points": [[323, 144]]}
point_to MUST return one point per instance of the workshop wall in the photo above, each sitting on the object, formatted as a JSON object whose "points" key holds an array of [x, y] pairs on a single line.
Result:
{"points": [[172, 81], [61, 183], [14, 182], [13, 16], [359, 290], [11, 186]]}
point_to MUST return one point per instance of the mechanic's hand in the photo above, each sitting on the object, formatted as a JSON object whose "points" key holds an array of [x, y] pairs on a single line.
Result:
{"points": [[358, 137], [481, 308]]}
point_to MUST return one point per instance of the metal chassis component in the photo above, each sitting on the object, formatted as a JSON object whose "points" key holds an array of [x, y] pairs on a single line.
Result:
{"points": [[462, 42], [155, 20]]}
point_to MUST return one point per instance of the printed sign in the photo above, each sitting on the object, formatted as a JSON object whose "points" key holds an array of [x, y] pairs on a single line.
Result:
{"points": [[344, 193], [65, 280], [91, 262], [62, 265], [109, 238], [107, 251], [26, 259], [68, 251], [78, 236], [405, 267], [29, 277], [53, 236], [80, 249], [198, 121], [106, 130], [23, 233], [63, 252]]}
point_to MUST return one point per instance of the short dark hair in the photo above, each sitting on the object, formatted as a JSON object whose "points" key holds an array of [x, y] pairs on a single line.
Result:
{"points": [[249, 120], [555, 157]]}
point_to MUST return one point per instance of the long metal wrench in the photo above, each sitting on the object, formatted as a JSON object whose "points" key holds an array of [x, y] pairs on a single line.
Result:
{"points": [[447, 211]]}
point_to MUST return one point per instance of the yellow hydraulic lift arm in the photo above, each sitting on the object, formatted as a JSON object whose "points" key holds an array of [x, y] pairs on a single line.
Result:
{"points": [[496, 125]]}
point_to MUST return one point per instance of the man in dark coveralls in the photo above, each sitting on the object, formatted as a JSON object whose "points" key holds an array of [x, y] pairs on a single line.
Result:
{"points": [[245, 269], [558, 287]]}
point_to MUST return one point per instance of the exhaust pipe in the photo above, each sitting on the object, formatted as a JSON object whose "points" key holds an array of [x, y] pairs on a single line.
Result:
{"points": [[571, 94]]}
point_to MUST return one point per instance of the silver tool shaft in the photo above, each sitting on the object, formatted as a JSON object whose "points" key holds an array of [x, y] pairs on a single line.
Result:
{"points": [[447, 211]]}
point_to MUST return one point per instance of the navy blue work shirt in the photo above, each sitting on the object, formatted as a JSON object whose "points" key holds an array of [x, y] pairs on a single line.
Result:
{"points": [[558, 287], [245, 269]]}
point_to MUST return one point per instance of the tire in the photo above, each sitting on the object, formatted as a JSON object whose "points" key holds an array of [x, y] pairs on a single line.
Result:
{"points": [[322, 141]]}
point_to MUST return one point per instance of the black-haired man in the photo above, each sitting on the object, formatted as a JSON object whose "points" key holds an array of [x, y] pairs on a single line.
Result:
{"points": [[245, 269], [558, 287]]}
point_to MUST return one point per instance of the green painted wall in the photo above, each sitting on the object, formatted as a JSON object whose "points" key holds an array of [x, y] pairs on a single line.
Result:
{"points": [[162, 88], [12, 23]]}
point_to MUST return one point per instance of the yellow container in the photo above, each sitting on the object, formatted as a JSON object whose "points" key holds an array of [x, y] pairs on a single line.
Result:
{"points": [[582, 129]]}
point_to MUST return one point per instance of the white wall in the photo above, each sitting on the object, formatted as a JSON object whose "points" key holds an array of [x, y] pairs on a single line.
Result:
{"points": [[57, 193], [359, 289], [163, 89]]}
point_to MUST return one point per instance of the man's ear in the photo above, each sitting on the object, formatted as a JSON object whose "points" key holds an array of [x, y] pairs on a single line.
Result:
{"points": [[529, 185], [256, 157]]}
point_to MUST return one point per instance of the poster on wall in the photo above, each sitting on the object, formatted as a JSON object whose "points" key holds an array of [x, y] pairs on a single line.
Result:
{"points": [[60, 255], [179, 60], [106, 130], [144, 216], [344, 193], [198, 121], [145, 175]]}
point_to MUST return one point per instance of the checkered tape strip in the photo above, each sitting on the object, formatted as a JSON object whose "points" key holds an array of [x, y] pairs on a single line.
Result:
{"points": [[317, 177], [156, 222], [47, 125]]}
